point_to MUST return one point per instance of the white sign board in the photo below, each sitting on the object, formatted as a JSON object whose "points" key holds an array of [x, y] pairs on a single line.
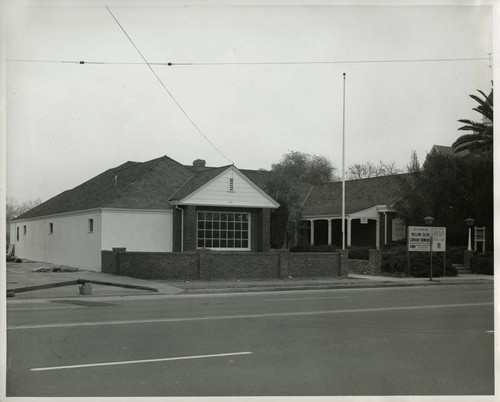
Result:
{"points": [[419, 238], [398, 229], [439, 239]]}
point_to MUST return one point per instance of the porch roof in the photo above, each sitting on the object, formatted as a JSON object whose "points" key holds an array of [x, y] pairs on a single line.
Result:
{"points": [[362, 194]]}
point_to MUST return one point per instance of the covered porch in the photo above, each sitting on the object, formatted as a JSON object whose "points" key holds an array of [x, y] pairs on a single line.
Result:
{"points": [[373, 227]]}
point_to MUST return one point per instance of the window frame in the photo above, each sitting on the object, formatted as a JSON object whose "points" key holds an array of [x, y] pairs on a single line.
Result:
{"points": [[225, 228], [90, 225]]}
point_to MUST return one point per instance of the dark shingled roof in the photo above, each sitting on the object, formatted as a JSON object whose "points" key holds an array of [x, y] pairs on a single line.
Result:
{"points": [[448, 151], [130, 185], [196, 181], [360, 194]]}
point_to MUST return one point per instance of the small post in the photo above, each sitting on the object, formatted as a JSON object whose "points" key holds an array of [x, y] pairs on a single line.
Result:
{"points": [[470, 223], [429, 220], [86, 288]]}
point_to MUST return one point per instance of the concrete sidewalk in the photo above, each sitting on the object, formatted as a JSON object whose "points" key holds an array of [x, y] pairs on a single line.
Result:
{"points": [[21, 275]]}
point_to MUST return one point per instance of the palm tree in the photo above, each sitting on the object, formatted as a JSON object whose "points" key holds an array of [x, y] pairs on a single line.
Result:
{"points": [[481, 139]]}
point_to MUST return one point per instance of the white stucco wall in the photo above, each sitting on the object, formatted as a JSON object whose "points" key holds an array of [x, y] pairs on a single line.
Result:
{"points": [[71, 242], [137, 230]]}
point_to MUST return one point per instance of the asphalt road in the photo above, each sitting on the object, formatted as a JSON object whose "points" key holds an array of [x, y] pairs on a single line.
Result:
{"points": [[389, 341]]}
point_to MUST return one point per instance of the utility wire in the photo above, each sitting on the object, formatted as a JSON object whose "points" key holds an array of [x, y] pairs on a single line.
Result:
{"points": [[166, 89], [320, 62], [250, 63]]}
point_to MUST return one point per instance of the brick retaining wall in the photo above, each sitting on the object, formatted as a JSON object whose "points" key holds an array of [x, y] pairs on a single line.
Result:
{"points": [[372, 266], [310, 265], [220, 265]]}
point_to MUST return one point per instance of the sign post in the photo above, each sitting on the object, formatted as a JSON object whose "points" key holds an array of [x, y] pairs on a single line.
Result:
{"points": [[427, 239]]}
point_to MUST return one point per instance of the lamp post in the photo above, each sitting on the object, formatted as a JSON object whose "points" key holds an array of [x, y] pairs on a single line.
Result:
{"points": [[429, 220], [470, 223]]}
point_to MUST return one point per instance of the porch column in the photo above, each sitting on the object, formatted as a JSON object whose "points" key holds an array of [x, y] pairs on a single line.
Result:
{"points": [[377, 236], [385, 228], [329, 232], [349, 232], [312, 232]]}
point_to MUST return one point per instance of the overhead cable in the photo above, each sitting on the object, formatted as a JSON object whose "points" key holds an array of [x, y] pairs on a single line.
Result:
{"points": [[250, 63]]}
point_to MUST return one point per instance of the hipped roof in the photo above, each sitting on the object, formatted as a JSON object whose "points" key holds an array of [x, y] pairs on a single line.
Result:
{"points": [[132, 185], [326, 199]]}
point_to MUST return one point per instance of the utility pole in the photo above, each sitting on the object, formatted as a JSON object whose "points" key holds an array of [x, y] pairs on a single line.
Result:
{"points": [[343, 169]]}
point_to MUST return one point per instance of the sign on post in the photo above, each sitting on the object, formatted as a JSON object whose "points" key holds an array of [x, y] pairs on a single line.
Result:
{"points": [[438, 239], [419, 238]]}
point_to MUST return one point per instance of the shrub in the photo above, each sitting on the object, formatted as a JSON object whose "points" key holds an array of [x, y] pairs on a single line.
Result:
{"points": [[456, 254], [396, 260], [359, 253], [482, 264], [420, 265]]}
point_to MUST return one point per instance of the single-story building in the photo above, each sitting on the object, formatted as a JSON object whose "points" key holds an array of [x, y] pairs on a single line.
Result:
{"points": [[158, 206], [164, 206], [371, 218]]}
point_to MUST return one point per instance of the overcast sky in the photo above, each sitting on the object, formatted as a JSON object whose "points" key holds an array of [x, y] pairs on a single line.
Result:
{"points": [[68, 122]]}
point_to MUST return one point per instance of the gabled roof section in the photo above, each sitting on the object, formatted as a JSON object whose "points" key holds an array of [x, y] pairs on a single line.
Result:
{"points": [[196, 181], [360, 195], [448, 151], [134, 185], [211, 187]]}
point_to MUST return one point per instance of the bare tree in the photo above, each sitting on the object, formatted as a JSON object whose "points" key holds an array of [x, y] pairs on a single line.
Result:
{"points": [[414, 165], [15, 209], [369, 169]]}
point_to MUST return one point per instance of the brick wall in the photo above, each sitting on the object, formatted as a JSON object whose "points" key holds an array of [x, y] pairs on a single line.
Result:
{"points": [[108, 262], [372, 266], [310, 265], [221, 265], [233, 265], [260, 226]]}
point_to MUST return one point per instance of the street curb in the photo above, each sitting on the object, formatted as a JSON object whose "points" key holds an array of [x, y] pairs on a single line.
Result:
{"points": [[12, 292], [271, 288], [321, 287]]}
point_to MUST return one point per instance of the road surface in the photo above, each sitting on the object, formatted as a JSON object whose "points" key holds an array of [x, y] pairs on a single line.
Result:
{"points": [[434, 340]]}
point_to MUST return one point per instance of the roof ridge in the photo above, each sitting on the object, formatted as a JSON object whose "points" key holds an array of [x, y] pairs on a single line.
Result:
{"points": [[157, 161], [366, 178], [183, 185]]}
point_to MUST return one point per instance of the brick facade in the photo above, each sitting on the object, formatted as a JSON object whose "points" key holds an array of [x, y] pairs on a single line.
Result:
{"points": [[221, 265], [260, 227]]}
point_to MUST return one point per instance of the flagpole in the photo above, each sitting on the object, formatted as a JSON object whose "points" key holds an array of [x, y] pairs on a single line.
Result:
{"points": [[343, 169]]}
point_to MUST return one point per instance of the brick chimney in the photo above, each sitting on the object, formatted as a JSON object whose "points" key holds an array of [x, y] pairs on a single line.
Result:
{"points": [[199, 163]]}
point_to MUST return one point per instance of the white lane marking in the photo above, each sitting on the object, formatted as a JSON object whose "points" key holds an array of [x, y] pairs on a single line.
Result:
{"points": [[43, 308], [140, 361], [490, 332], [308, 298], [242, 316], [481, 291]]}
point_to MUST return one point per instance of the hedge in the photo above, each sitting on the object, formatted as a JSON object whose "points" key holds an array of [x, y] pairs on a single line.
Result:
{"points": [[395, 260], [482, 264]]}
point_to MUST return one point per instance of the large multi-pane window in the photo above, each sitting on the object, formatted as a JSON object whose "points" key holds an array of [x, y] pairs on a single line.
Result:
{"points": [[223, 230]]}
